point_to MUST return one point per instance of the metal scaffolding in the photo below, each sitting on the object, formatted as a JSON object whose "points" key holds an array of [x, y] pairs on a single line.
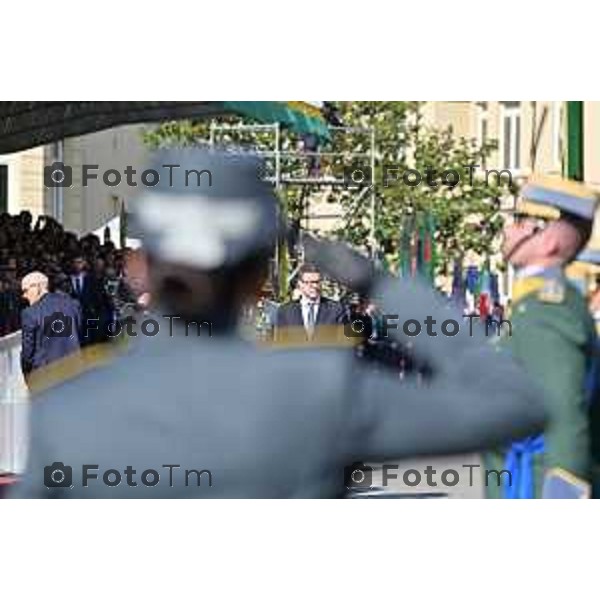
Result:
{"points": [[281, 176]]}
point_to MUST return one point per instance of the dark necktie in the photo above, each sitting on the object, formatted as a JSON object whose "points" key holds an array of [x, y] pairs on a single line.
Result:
{"points": [[310, 320]]}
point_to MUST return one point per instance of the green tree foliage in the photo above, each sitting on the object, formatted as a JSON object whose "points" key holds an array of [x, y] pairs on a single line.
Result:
{"points": [[466, 214]]}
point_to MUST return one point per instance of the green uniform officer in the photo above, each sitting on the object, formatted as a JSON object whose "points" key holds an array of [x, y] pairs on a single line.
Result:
{"points": [[551, 334], [591, 255]]}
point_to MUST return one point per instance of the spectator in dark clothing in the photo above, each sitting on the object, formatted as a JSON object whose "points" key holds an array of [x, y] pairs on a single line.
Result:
{"points": [[10, 304], [498, 312], [48, 248], [95, 308]]}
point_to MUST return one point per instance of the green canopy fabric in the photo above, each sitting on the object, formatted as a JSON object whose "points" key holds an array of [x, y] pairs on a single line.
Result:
{"points": [[28, 124]]}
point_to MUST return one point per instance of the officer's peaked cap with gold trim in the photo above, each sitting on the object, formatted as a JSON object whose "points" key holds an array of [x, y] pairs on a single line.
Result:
{"points": [[554, 197], [589, 255]]}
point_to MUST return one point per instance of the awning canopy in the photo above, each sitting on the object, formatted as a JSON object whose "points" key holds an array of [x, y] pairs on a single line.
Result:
{"points": [[28, 124]]}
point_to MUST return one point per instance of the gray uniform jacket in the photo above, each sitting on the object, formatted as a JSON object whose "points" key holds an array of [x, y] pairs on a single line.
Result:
{"points": [[272, 423]]}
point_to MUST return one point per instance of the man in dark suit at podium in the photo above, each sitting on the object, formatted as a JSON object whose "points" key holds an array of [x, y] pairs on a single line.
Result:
{"points": [[312, 310]]}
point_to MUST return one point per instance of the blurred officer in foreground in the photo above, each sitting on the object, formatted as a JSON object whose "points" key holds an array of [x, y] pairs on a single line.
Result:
{"points": [[552, 337], [252, 422]]}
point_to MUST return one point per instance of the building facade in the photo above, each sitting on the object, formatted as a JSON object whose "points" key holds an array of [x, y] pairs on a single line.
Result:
{"points": [[21, 182], [80, 208], [107, 153], [530, 137]]}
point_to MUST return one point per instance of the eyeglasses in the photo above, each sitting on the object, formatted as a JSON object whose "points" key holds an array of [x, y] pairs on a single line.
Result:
{"points": [[312, 282]]}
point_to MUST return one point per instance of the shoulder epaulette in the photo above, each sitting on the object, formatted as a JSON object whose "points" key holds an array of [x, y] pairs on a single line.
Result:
{"points": [[72, 366], [552, 292], [526, 287]]}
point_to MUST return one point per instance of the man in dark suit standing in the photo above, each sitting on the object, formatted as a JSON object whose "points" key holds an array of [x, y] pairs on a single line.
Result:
{"points": [[312, 310], [49, 325], [88, 291]]}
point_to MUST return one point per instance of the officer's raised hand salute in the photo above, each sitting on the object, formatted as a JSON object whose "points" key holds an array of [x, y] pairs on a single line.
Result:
{"points": [[459, 409]]}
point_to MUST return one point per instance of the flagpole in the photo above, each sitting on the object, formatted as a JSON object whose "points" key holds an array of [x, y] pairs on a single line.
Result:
{"points": [[575, 161], [373, 215], [575, 165]]}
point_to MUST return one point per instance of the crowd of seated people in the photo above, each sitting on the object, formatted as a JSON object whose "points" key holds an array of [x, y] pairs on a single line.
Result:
{"points": [[87, 268]]}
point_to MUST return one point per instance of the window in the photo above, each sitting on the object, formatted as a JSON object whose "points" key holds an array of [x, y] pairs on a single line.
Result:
{"points": [[510, 138], [3, 189], [556, 134]]}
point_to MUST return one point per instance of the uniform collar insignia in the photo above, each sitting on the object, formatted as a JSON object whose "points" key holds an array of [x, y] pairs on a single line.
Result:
{"points": [[552, 292]]}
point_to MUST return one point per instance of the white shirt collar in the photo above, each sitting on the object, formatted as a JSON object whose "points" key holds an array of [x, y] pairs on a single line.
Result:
{"points": [[529, 271], [305, 301], [533, 270]]}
